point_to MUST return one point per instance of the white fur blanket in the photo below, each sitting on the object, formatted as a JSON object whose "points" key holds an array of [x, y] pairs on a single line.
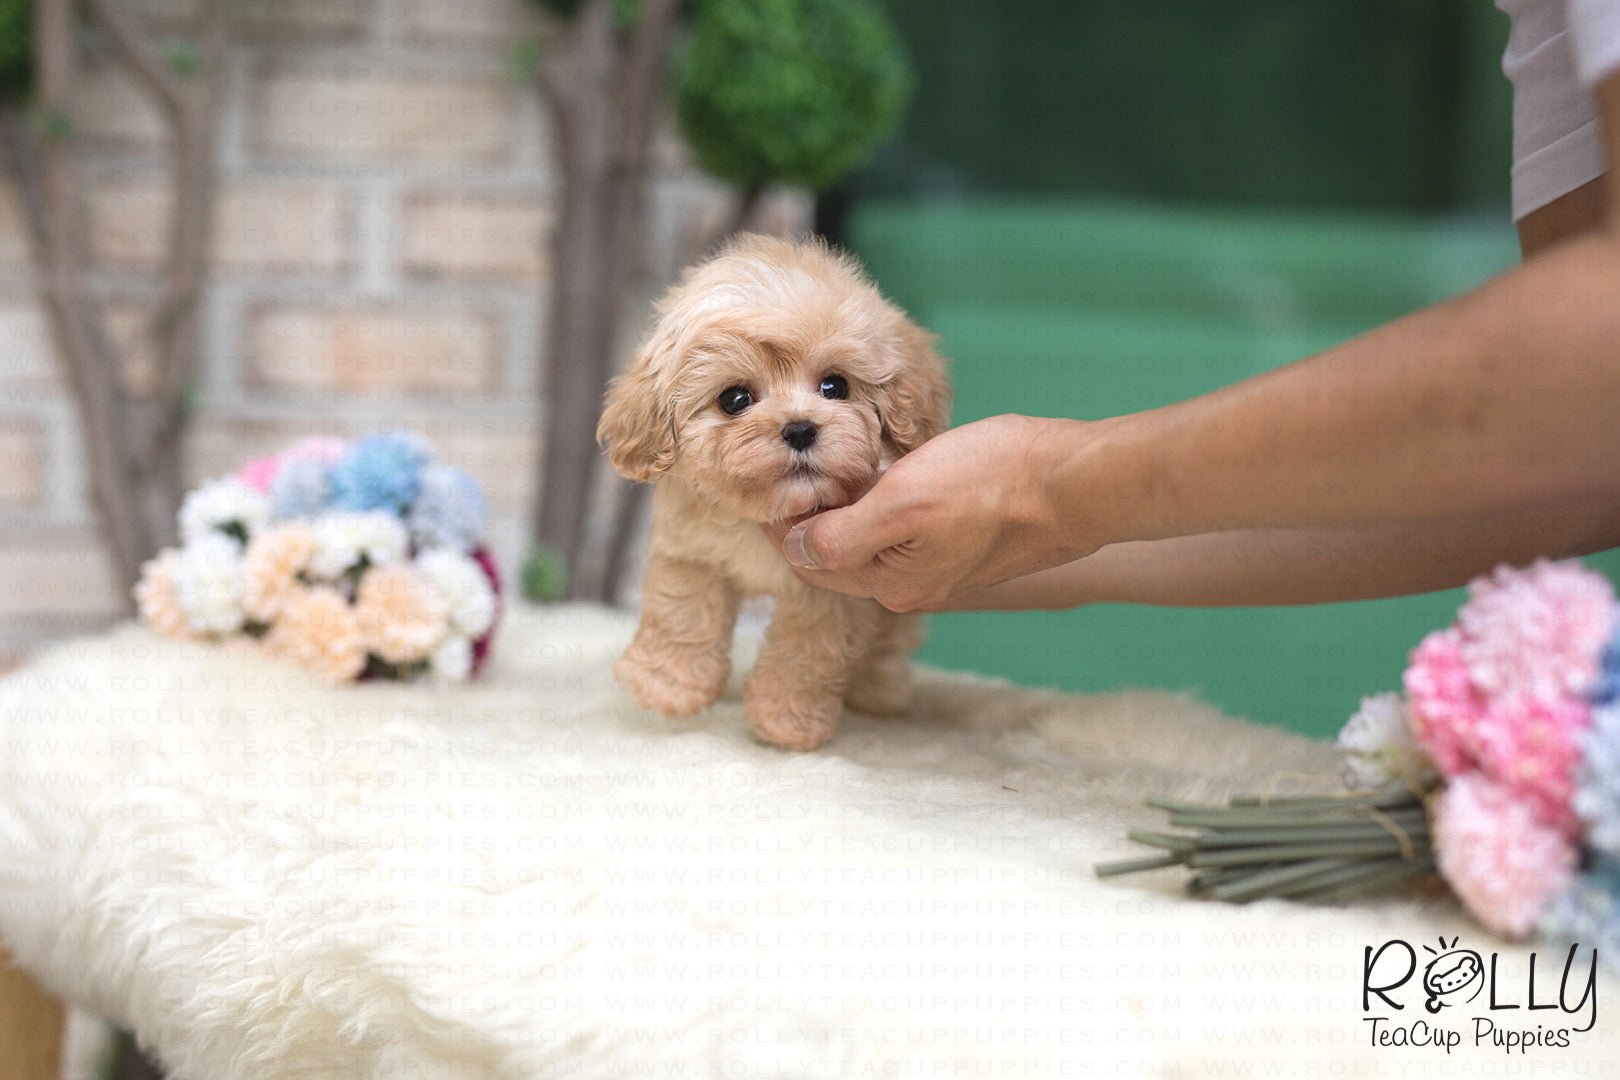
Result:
{"points": [[528, 877]]}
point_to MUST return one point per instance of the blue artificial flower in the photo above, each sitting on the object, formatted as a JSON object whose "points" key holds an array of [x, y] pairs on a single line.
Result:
{"points": [[1588, 912], [301, 489], [381, 472], [1608, 684], [1597, 781], [449, 510]]}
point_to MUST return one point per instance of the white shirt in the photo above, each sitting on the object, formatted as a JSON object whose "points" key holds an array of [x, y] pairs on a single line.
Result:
{"points": [[1557, 51]]}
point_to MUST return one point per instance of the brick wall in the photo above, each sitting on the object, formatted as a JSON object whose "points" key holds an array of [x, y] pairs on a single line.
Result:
{"points": [[381, 260]]}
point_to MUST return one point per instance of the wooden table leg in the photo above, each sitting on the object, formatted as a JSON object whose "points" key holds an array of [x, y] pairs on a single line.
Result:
{"points": [[30, 1027]]}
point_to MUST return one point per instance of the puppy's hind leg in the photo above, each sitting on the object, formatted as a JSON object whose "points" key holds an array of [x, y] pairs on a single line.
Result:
{"points": [[680, 658], [881, 684]]}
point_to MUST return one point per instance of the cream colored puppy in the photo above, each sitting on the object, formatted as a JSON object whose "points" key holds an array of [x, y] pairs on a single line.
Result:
{"points": [[778, 381]]}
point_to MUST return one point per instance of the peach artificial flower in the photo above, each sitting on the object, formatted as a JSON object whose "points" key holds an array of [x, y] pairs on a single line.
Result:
{"points": [[270, 568], [157, 598], [318, 629], [402, 617]]}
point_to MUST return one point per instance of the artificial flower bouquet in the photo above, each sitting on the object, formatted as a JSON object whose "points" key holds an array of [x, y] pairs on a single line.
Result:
{"points": [[362, 560], [1499, 766]]}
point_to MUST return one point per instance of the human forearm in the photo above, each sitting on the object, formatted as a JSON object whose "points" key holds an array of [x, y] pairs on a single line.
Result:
{"points": [[1505, 396], [1481, 406], [1324, 564]]}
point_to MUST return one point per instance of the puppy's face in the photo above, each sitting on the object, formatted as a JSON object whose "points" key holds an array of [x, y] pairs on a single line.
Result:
{"points": [[776, 382], [779, 427]]}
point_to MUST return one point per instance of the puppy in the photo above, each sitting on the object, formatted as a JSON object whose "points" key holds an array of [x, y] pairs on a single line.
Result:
{"points": [[777, 382]]}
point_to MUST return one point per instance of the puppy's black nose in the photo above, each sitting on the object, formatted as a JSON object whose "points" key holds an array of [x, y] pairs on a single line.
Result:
{"points": [[799, 434]]}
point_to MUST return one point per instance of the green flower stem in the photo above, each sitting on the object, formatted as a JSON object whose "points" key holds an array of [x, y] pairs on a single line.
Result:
{"points": [[1396, 796], [1355, 871], [1131, 866], [1314, 849], [1168, 841], [1318, 834], [1286, 819], [1268, 881], [1394, 875], [1283, 852], [1288, 804]]}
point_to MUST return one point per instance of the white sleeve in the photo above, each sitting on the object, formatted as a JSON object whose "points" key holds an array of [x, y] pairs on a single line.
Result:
{"points": [[1556, 140], [1595, 27]]}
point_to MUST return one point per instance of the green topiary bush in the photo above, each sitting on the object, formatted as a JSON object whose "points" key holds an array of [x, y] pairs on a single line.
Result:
{"points": [[16, 28], [789, 91], [544, 577]]}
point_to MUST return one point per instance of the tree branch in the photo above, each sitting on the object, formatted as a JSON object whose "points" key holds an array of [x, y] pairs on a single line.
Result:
{"points": [[84, 353], [131, 444], [603, 93], [138, 53], [171, 330], [573, 76], [54, 54], [643, 72]]}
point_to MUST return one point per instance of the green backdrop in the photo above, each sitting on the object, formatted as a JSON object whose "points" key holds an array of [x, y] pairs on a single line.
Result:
{"points": [[1105, 206], [1089, 311], [1348, 103]]}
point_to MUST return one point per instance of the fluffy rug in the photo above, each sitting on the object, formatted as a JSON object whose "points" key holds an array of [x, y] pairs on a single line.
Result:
{"points": [[267, 877]]}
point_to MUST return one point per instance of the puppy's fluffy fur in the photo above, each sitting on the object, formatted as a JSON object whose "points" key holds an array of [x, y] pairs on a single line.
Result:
{"points": [[796, 331]]}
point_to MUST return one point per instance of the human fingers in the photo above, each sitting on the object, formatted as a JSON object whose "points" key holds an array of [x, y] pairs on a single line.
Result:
{"points": [[845, 539], [776, 532]]}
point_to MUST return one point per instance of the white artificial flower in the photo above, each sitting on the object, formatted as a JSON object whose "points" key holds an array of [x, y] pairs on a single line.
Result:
{"points": [[452, 660], [208, 584], [461, 581], [343, 538], [221, 503], [1376, 747]]}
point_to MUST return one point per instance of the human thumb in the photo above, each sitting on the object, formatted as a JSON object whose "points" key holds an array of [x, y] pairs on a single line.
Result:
{"points": [[799, 549], [843, 538]]}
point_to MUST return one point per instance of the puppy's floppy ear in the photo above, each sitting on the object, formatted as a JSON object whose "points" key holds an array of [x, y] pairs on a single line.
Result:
{"points": [[915, 405], [638, 422]]}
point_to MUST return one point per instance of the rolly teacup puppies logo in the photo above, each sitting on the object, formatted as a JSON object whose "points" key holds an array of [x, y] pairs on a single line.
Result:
{"points": [[1450, 975], [1509, 1010]]}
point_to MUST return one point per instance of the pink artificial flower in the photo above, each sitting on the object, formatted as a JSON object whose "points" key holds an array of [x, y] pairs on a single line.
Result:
{"points": [[1540, 630], [1532, 746], [326, 449], [260, 472], [1498, 857], [1445, 705]]}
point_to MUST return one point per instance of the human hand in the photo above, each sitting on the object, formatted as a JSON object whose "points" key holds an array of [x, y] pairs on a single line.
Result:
{"points": [[967, 509]]}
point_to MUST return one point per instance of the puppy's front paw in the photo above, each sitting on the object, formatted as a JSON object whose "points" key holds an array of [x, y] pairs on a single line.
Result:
{"points": [[796, 721], [674, 685]]}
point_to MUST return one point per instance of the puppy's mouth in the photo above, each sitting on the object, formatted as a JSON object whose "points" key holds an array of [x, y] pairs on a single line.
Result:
{"points": [[819, 489]]}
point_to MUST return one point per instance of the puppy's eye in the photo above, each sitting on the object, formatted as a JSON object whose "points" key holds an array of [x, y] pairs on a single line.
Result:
{"points": [[835, 388], [734, 399]]}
